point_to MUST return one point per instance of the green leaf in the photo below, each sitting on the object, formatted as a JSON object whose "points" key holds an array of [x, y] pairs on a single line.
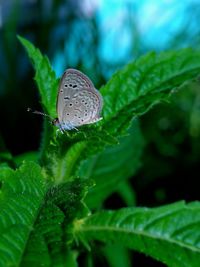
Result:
{"points": [[36, 217], [117, 256], [144, 83], [127, 193], [45, 76], [65, 153], [113, 166], [52, 233], [21, 195], [47, 84], [28, 156], [169, 234], [71, 259]]}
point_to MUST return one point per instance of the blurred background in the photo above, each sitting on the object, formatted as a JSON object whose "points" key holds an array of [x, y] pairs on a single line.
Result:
{"points": [[99, 37]]}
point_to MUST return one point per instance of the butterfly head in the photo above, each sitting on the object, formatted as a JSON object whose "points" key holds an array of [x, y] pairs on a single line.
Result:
{"points": [[55, 122]]}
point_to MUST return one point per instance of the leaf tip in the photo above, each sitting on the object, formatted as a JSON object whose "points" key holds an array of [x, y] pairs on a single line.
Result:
{"points": [[20, 38]]}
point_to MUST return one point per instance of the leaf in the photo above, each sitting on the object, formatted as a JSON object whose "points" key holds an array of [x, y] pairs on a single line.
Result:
{"points": [[47, 84], [117, 256], [52, 235], [21, 195], [36, 217], [45, 76], [127, 193], [113, 166], [71, 259], [28, 156], [170, 234], [144, 83]]}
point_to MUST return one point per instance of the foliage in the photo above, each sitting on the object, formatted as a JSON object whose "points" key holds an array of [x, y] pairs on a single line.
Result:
{"points": [[159, 232], [44, 217]]}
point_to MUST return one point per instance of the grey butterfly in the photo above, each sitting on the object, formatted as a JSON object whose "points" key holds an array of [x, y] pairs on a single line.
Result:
{"points": [[78, 102]]}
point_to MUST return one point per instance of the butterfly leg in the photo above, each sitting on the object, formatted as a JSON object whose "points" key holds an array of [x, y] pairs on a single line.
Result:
{"points": [[61, 129], [98, 119]]}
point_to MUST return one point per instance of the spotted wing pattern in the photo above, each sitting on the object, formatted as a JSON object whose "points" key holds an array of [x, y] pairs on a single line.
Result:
{"points": [[78, 101]]}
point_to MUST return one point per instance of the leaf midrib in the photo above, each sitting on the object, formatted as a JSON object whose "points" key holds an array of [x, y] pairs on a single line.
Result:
{"points": [[192, 68], [33, 224], [145, 234]]}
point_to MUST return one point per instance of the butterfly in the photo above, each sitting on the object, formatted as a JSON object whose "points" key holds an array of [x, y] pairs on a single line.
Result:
{"points": [[78, 102]]}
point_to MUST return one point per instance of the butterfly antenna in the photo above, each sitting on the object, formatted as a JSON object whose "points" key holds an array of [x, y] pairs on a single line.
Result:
{"points": [[39, 113]]}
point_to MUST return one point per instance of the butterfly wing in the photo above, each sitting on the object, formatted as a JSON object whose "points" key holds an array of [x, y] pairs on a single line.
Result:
{"points": [[78, 101]]}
